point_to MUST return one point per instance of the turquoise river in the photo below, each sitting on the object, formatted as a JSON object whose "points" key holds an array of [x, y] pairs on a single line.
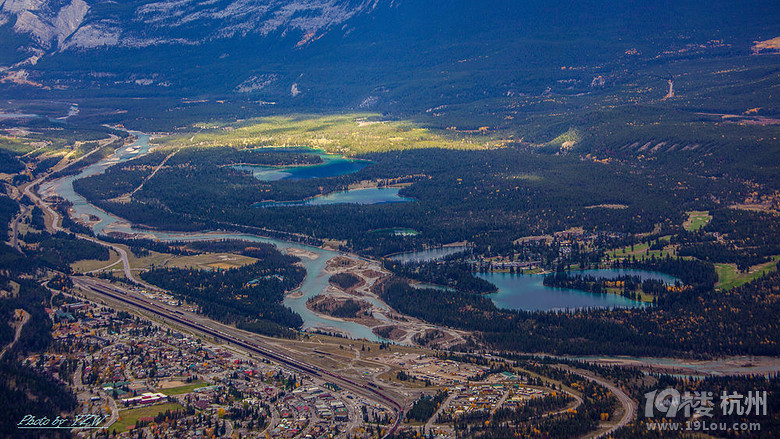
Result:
{"points": [[515, 291]]}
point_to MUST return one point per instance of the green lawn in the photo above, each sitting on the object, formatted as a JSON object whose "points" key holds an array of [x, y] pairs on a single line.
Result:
{"points": [[127, 418], [729, 277], [640, 251], [183, 389], [696, 220]]}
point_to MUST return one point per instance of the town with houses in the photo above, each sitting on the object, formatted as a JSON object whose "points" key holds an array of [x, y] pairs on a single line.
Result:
{"points": [[139, 378]]}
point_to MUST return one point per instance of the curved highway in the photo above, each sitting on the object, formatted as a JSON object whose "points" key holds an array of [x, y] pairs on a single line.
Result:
{"points": [[629, 407]]}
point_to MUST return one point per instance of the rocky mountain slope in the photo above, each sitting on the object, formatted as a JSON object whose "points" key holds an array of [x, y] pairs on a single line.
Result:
{"points": [[59, 25], [360, 54]]}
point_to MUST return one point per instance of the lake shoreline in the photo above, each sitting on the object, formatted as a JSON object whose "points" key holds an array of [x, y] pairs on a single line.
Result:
{"points": [[526, 292]]}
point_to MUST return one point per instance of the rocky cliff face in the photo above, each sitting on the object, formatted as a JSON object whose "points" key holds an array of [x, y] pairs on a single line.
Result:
{"points": [[49, 23], [73, 24], [229, 18]]}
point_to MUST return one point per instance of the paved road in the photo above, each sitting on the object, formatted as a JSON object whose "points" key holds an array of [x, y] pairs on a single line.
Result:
{"points": [[23, 209], [272, 423], [111, 405], [500, 402], [578, 403], [123, 257], [25, 319], [51, 215], [78, 381], [629, 407], [228, 428], [55, 221], [628, 404], [98, 270], [432, 420]]}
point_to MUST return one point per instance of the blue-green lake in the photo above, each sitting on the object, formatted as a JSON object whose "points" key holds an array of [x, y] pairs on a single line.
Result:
{"points": [[332, 166], [527, 292]]}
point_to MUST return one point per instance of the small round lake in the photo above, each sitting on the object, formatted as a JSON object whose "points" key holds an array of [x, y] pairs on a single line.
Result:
{"points": [[528, 293], [378, 195]]}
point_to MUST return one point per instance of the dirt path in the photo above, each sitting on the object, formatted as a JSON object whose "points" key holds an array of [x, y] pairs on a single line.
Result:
{"points": [[157, 168]]}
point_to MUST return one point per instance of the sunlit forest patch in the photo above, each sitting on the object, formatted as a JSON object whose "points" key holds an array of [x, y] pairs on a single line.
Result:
{"points": [[348, 134]]}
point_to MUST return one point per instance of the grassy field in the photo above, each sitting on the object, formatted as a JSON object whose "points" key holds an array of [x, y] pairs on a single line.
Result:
{"points": [[347, 134], [154, 258], [696, 220], [92, 264], [210, 261], [127, 418], [206, 261], [183, 389], [641, 251], [729, 277], [643, 297], [19, 146]]}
